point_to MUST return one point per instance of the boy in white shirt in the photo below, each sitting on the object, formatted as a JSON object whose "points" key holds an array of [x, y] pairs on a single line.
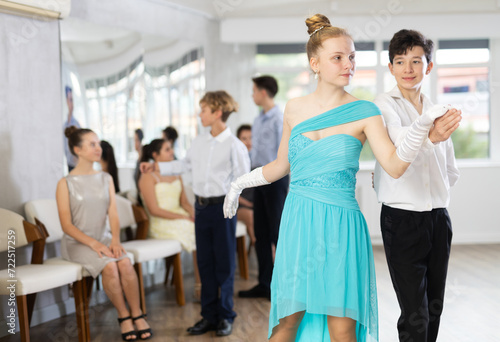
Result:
{"points": [[416, 227], [215, 159]]}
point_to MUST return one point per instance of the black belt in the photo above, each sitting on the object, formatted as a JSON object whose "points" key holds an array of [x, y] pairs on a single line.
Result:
{"points": [[209, 200]]}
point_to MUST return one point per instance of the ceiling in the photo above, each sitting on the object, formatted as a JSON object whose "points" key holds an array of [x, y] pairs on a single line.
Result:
{"points": [[84, 42], [300, 8]]}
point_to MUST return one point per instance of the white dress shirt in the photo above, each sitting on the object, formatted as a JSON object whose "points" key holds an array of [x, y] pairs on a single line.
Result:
{"points": [[426, 183], [214, 162]]}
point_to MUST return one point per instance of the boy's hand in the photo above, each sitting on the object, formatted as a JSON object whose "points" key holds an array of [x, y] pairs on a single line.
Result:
{"points": [[445, 125], [231, 202], [146, 167]]}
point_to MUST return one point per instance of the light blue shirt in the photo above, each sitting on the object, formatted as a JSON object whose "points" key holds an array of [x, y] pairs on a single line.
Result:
{"points": [[266, 136], [72, 160]]}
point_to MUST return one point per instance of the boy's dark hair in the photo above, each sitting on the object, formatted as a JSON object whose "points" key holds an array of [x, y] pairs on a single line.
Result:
{"points": [[171, 134], [67, 89], [268, 83], [140, 134], [244, 127], [405, 40]]}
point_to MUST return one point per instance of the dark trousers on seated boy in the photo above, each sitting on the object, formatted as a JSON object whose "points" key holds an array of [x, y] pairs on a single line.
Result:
{"points": [[216, 249]]}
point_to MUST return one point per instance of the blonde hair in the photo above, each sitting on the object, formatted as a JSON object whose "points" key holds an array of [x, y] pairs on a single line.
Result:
{"points": [[319, 29], [220, 100]]}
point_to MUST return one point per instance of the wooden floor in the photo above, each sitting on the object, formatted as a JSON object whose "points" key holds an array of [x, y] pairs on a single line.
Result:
{"points": [[471, 311]]}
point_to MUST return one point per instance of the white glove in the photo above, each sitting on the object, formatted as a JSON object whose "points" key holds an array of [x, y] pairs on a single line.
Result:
{"points": [[408, 150], [248, 180]]}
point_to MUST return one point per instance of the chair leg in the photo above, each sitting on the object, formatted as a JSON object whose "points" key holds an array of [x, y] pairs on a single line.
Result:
{"points": [[24, 323], [87, 292], [31, 305], [179, 282], [82, 317], [140, 279], [242, 257], [98, 282], [168, 266]]}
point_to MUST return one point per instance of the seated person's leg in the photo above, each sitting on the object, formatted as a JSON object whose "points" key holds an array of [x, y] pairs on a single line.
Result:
{"points": [[245, 215]]}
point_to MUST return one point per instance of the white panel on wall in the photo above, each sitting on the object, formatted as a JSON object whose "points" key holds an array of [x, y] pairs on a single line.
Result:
{"points": [[30, 110]]}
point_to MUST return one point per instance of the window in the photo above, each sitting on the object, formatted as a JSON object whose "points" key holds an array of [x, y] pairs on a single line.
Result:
{"points": [[148, 98], [463, 80], [289, 65], [460, 77], [113, 104], [186, 88]]}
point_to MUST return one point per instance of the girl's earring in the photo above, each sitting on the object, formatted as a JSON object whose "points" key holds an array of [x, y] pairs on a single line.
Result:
{"points": [[316, 74]]}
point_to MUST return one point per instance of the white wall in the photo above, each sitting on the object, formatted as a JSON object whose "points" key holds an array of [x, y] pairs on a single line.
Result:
{"points": [[474, 206], [31, 148], [231, 67], [30, 110]]}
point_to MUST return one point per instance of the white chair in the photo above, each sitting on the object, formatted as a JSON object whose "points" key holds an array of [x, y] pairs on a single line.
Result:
{"points": [[145, 249], [24, 281], [44, 213]]}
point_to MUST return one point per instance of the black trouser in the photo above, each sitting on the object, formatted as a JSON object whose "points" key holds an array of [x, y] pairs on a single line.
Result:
{"points": [[216, 253], [417, 247], [267, 208]]}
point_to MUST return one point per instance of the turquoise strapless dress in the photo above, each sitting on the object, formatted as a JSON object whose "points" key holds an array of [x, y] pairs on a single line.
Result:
{"points": [[324, 260]]}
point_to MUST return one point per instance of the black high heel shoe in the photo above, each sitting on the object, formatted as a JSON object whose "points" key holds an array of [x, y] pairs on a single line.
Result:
{"points": [[143, 331], [129, 333]]}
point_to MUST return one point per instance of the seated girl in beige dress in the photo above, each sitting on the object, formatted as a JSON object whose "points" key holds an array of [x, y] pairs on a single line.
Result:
{"points": [[85, 198], [171, 215]]}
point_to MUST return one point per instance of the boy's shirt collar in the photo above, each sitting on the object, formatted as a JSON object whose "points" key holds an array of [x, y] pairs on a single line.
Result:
{"points": [[222, 135], [396, 93]]}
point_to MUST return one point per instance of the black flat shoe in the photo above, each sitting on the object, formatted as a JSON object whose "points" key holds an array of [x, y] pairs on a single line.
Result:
{"points": [[258, 291], [143, 331], [129, 333], [224, 328], [201, 327]]}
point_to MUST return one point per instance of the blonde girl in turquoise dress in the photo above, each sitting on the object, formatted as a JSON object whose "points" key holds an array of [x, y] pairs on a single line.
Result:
{"points": [[323, 286], [171, 216]]}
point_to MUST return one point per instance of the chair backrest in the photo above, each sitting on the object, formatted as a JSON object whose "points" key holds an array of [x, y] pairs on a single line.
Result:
{"points": [[125, 212], [131, 195], [11, 229], [45, 210], [16, 232], [132, 215]]}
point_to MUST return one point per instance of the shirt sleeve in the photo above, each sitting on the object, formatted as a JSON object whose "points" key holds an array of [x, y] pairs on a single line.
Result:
{"points": [[239, 159], [451, 164], [397, 132], [176, 167]]}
